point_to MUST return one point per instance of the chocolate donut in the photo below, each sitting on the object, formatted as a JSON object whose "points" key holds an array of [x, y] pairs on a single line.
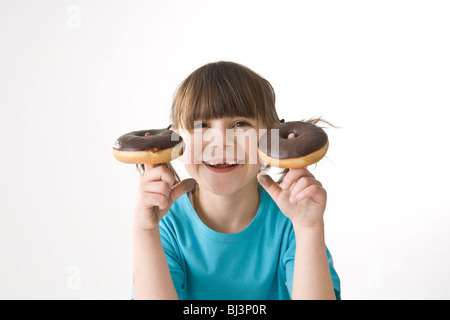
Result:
{"points": [[148, 146], [308, 146]]}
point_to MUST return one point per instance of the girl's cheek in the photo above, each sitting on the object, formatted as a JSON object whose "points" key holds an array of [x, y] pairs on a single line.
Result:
{"points": [[186, 157], [247, 146], [192, 153]]}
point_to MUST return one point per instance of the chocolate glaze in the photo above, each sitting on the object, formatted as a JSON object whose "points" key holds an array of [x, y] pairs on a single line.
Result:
{"points": [[159, 139], [308, 138]]}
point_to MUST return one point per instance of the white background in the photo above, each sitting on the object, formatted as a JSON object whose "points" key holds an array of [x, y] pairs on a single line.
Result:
{"points": [[74, 75]]}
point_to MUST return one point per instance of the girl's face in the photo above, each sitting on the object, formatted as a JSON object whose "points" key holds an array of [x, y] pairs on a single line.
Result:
{"points": [[221, 154]]}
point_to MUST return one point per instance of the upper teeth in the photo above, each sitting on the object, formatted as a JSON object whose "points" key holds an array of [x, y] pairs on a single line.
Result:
{"points": [[213, 163]]}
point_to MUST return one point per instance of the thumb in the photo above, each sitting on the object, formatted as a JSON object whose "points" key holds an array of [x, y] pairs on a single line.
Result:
{"points": [[182, 187], [271, 186]]}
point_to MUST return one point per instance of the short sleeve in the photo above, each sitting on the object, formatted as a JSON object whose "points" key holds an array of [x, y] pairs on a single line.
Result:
{"points": [[288, 261], [334, 277], [174, 259]]}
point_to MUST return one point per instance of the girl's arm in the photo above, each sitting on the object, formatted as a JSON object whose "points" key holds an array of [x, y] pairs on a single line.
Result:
{"points": [[312, 277], [152, 278], [156, 194], [303, 199]]}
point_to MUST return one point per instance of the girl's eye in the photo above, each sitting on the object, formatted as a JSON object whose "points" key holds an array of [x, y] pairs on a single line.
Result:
{"points": [[200, 124], [240, 124]]}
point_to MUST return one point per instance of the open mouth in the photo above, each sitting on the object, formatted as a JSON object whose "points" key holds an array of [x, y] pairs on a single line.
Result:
{"points": [[221, 166]]}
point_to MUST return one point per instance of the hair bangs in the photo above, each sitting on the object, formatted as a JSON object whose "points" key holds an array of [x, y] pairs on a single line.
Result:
{"points": [[223, 89]]}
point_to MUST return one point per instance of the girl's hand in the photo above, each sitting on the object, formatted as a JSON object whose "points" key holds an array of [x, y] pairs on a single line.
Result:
{"points": [[300, 197], [156, 194]]}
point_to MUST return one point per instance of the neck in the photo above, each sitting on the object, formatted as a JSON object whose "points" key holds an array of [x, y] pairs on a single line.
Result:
{"points": [[230, 213]]}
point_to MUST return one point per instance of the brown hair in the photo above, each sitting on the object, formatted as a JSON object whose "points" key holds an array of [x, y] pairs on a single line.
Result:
{"points": [[223, 89]]}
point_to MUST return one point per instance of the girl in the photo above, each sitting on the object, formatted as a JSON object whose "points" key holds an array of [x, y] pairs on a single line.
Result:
{"points": [[229, 232]]}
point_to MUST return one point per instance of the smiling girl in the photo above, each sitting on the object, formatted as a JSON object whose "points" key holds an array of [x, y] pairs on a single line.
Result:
{"points": [[230, 231]]}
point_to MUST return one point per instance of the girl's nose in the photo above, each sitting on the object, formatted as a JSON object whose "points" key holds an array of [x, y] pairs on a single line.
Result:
{"points": [[220, 138], [228, 140]]}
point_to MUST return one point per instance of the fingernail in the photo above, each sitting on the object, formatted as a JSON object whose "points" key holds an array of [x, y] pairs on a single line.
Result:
{"points": [[264, 179], [191, 184]]}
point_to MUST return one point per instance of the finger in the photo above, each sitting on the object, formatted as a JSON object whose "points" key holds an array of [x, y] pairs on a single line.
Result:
{"points": [[160, 187], [182, 187], [159, 173], [314, 192], [156, 200], [293, 175], [269, 185], [300, 185]]}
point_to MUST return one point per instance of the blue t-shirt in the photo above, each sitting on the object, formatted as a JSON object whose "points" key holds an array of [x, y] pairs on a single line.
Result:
{"points": [[255, 263]]}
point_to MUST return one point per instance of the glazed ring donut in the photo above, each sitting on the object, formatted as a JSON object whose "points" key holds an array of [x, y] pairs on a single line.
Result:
{"points": [[148, 146], [308, 146]]}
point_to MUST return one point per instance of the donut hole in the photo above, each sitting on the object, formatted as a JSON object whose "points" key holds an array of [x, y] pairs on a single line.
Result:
{"points": [[291, 135]]}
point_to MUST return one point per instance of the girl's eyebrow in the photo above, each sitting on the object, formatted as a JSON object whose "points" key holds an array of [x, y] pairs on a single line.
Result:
{"points": [[231, 119], [250, 121], [244, 119]]}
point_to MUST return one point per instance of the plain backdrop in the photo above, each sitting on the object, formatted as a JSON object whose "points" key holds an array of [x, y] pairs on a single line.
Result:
{"points": [[75, 75]]}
